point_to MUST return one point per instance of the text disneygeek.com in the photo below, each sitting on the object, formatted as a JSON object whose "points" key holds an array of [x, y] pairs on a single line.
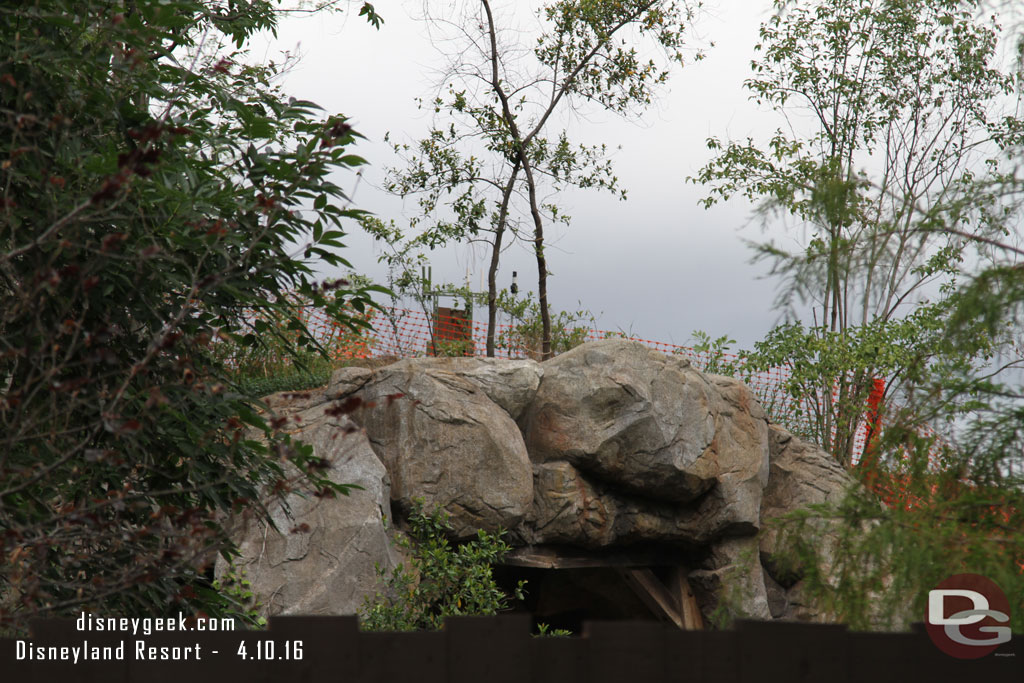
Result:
{"points": [[248, 647]]}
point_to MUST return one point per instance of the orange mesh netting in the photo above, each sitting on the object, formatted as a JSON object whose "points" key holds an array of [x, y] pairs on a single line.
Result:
{"points": [[405, 333]]}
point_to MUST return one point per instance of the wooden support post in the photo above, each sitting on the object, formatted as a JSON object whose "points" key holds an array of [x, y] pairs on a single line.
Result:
{"points": [[675, 603], [688, 608], [654, 594]]}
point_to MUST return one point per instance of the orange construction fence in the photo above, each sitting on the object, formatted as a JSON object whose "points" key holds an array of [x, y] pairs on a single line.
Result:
{"points": [[406, 333]]}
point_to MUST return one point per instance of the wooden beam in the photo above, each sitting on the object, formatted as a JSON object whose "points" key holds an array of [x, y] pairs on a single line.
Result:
{"points": [[654, 594], [553, 557], [687, 601]]}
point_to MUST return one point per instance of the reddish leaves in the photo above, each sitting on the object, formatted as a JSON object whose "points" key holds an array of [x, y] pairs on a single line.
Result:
{"points": [[223, 66], [112, 241], [136, 162]]}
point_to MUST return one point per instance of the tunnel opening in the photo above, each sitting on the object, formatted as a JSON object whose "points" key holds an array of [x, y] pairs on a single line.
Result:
{"points": [[567, 587]]}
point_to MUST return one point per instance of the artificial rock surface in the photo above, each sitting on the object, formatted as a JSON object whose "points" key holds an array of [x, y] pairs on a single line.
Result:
{"points": [[323, 554], [443, 439], [605, 447]]}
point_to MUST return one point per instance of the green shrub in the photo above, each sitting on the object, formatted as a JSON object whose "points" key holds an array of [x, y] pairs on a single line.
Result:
{"points": [[296, 380], [155, 187], [569, 329], [235, 589], [441, 580]]}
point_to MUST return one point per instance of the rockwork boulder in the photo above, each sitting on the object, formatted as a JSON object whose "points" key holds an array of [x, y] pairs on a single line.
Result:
{"points": [[321, 557], [442, 438], [732, 580], [604, 449], [801, 474], [630, 444]]}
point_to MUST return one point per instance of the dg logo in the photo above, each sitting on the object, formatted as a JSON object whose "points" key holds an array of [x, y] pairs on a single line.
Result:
{"points": [[964, 616]]}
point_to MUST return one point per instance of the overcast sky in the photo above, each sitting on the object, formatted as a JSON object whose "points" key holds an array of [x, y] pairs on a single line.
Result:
{"points": [[657, 265]]}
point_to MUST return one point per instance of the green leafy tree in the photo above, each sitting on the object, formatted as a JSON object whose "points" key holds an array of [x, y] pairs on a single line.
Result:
{"points": [[950, 504], [908, 168], [440, 580], [898, 349], [892, 109], [871, 566], [156, 191], [481, 171], [525, 335]]}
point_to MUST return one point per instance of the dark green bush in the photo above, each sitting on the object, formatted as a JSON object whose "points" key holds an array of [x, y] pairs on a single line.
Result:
{"points": [[155, 189], [441, 579]]}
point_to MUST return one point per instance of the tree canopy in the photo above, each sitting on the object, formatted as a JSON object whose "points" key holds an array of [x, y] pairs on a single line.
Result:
{"points": [[900, 158], [892, 111], [157, 189], [494, 162]]}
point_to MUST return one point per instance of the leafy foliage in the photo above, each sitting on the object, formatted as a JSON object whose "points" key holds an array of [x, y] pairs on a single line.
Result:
{"points": [[891, 109], [480, 172], [895, 160], [545, 631], [569, 329], [716, 351], [441, 580], [278, 363], [894, 349], [871, 566], [156, 189], [234, 587]]}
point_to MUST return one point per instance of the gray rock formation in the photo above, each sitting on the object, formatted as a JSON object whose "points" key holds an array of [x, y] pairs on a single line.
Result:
{"points": [[444, 440], [733, 580], [801, 474], [608, 447], [627, 415], [633, 445], [321, 557]]}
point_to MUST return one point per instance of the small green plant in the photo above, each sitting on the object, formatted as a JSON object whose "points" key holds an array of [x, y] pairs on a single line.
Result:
{"points": [[441, 580], [276, 356], [545, 631], [236, 595], [290, 380], [569, 329], [454, 348], [717, 350]]}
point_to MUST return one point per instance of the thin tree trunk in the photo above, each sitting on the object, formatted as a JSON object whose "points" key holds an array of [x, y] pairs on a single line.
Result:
{"points": [[542, 269], [520, 147], [492, 272]]}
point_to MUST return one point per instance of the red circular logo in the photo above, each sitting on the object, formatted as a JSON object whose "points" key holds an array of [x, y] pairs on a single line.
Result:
{"points": [[967, 616]]}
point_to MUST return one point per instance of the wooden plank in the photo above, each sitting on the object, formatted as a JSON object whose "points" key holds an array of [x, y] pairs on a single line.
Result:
{"points": [[687, 601], [549, 557], [654, 594]]}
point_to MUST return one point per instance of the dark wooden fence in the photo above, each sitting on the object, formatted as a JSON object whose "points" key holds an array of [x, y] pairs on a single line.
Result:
{"points": [[500, 650]]}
